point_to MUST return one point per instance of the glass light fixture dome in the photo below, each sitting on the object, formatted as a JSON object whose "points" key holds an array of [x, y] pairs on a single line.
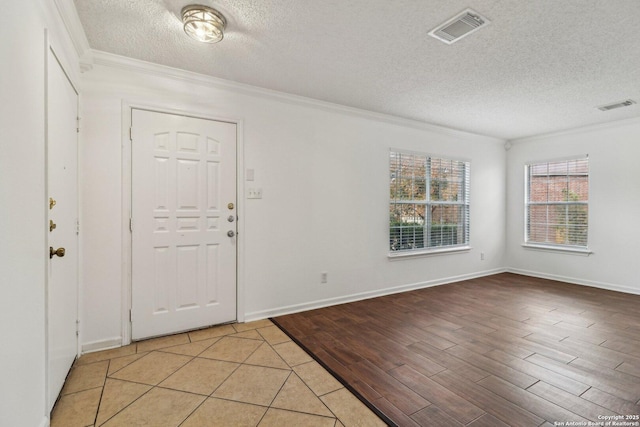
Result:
{"points": [[203, 23]]}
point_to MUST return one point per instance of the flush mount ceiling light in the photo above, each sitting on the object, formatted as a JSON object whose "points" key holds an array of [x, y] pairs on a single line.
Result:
{"points": [[203, 23]]}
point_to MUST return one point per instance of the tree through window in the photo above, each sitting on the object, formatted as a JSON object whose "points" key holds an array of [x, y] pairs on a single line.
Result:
{"points": [[429, 202]]}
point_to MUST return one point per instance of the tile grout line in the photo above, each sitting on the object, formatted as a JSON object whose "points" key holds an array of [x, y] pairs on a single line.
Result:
{"points": [[104, 384], [312, 391], [159, 350], [129, 404], [163, 350], [345, 383]]}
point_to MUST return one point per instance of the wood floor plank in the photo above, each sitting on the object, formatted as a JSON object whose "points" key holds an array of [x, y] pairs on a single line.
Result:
{"points": [[422, 364], [609, 401], [521, 350], [536, 371], [595, 379], [446, 360], [590, 335], [500, 325], [628, 346], [597, 354], [434, 416], [477, 327], [604, 352], [557, 316], [457, 339], [300, 322], [610, 374], [533, 347], [405, 335], [630, 369], [529, 401], [574, 404], [627, 319], [490, 402], [393, 413], [436, 340], [348, 376], [449, 402], [401, 396], [487, 364], [338, 350], [363, 347], [487, 420], [399, 354]]}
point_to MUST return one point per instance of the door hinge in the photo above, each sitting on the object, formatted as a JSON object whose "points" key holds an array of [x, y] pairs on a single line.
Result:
{"points": [[130, 134], [77, 227], [131, 225], [130, 317], [77, 327], [77, 124]]}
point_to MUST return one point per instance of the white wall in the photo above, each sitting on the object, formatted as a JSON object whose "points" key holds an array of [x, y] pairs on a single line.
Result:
{"points": [[323, 172], [23, 208], [614, 206]]}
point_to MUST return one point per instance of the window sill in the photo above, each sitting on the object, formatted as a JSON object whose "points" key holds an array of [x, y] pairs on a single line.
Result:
{"points": [[563, 249], [427, 252]]}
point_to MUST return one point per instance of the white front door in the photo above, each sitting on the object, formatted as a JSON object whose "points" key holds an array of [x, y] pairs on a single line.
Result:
{"points": [[62, 182], [183, 223]]}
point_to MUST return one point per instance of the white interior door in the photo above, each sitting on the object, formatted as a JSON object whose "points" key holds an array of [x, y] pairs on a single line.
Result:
{"points": [[183, 223], [62, 183]]}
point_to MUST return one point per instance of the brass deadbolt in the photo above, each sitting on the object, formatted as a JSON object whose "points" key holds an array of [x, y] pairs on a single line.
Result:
{"points": [[230, 206], [58, 252]]}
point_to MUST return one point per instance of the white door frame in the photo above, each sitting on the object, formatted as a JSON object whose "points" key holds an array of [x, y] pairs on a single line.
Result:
{"points": [[127, 265], [51, 45]]}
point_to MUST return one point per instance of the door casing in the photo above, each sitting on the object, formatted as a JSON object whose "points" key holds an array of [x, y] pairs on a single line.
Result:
{"points": [[127, 107]]}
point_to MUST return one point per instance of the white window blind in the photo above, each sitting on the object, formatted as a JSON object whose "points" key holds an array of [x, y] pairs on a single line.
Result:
{"points": [[429, 202], [557, 203]]}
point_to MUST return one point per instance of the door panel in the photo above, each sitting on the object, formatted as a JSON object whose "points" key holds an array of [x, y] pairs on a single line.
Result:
{"points": [[183, 191], [62, 285]]}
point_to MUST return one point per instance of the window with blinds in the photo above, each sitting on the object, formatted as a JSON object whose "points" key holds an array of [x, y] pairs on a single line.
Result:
{"points": [[429, 202], [557, 203]]}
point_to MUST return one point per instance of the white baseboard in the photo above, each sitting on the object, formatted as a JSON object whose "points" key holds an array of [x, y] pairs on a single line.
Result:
{"points": [[280, 311], [92, 346], [575, 281], [45, 422]]}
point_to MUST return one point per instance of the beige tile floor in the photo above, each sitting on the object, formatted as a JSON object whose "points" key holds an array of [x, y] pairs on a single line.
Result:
{"points": [[245, 374]]}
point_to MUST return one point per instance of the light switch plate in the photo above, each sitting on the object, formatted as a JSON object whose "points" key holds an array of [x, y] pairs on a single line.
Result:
{"points": [[254, 193]]}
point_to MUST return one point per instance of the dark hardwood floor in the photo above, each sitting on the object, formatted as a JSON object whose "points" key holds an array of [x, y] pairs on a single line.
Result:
{"points": [[494, 351]]}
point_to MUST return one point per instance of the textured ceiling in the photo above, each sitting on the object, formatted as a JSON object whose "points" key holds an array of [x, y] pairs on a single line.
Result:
{"points": [[540, 66]]}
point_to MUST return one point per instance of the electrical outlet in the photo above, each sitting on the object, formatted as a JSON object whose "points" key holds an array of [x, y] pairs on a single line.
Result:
{"points": [[323, 277]]}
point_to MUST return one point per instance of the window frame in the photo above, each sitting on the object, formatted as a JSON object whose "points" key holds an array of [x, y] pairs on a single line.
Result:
{"points": [[528, 243], [465, 203]]}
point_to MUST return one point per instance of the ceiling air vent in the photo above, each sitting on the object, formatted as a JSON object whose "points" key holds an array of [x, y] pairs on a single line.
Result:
{"points": [[459, 26], [627, 103]]}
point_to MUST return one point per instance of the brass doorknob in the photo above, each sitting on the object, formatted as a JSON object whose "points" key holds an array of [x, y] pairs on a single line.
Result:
{"points": [[58, 252]]}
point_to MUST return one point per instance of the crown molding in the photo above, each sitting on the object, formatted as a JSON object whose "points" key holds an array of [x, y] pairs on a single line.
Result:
{"points": [[578, 130], [69, 15], [107, 59]]}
